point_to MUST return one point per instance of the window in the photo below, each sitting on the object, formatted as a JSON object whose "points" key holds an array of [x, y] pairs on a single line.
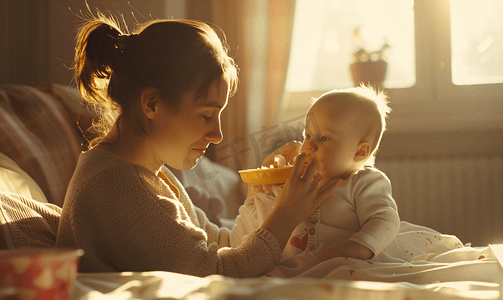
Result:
{"points": [[445, 61], [328, 33], [477, 41]]}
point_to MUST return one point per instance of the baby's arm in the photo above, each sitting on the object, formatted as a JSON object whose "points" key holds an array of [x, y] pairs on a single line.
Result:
{"points": [[260, 198], [377, 212], [378, 215], [349, 249], [251, 216]]}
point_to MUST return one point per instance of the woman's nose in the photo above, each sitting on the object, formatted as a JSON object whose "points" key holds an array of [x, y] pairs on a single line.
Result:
{"points": [[215, 136]]}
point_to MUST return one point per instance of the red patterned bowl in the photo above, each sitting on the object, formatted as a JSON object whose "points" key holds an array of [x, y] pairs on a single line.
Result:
{"points": [[42, 273]]}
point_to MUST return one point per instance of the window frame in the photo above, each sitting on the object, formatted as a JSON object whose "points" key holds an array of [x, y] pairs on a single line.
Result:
{"points": [[433, 102]]}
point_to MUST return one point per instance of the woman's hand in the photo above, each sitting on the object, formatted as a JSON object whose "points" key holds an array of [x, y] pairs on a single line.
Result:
{"points": [[300, 196]]}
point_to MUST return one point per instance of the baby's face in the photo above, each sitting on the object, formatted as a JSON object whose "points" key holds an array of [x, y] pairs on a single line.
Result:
{"points": [[332, 137]]}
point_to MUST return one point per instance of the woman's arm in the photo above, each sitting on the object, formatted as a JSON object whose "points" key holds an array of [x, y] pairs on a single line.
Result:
{"points": [[300, 196]]}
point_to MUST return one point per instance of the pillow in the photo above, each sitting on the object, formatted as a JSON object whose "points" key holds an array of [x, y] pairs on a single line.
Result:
{"points": [[70, 98], [13, 179], [214, 188], [39, 132], [27, 223]]}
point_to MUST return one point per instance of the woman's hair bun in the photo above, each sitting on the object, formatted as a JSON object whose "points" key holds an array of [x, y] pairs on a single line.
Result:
{"points": [[102, 48]]}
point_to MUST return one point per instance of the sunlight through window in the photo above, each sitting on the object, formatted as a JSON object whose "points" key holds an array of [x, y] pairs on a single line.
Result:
{"points": [[477, 41], [326, 33]]}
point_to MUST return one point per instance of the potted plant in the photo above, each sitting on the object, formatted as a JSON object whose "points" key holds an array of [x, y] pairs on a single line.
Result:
{"points": [[368, 67]]}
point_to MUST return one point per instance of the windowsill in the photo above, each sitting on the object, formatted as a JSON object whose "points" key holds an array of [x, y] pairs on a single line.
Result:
{"points": [[439, 116], [421, 114]]}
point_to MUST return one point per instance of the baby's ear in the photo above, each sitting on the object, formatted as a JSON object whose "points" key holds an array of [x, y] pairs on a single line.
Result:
{"points": [[363, 152]]}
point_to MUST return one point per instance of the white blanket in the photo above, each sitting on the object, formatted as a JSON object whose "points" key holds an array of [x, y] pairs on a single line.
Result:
{"points": [[440, 267], [166, 285], [415, 252]]}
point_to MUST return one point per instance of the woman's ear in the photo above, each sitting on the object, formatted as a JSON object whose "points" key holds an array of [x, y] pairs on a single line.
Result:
{"points": [[363, 152], [149, 101]]}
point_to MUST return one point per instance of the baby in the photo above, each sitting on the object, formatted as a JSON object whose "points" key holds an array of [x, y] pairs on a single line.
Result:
{"points": [[343, 131]]}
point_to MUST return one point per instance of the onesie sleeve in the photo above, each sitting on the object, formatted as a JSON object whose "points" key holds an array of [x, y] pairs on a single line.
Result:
{"points": [[214, 233], [252, 215], [376, 210]]}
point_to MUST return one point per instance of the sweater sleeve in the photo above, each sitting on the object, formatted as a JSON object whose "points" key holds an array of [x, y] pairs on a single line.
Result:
{"points": [[129, 228], [377, 212]]}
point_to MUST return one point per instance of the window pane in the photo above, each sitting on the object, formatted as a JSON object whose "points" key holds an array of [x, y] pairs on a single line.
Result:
{"points": [[323, 42], [477, 41]]}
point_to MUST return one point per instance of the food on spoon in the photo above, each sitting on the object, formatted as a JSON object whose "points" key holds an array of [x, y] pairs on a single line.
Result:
{"points": [[277, 173], [279, 161]]}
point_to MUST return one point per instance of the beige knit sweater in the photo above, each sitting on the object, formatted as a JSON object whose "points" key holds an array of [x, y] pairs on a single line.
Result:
{"points": [[128, 219]]}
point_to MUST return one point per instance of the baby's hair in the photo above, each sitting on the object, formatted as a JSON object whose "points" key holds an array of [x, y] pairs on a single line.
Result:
{"points": [[378, 100], [113, 67]]}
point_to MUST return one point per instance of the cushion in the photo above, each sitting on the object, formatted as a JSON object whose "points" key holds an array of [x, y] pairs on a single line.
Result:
{"points": [[13, 179], [38, 131], [214, 188], [27, 223]]}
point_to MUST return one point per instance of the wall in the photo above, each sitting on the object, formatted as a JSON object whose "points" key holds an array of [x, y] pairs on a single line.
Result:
{"points": [[37, 38], [23, 40], [37, 43]]}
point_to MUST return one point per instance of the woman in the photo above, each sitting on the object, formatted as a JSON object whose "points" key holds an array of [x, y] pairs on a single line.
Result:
{"points": [[161, 92]]}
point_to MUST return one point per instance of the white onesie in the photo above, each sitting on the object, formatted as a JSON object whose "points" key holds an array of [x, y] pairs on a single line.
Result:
{"points": [[361, 210]]}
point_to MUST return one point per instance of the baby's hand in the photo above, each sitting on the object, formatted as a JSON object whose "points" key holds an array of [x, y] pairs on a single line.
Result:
{"points": [[334, 250], [262, 188], [349, 249], [270, 190], [288, 152], [279, 161]]}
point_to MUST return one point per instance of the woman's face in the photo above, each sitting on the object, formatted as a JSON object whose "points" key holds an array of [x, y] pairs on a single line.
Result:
{"points": [[181, 137]]}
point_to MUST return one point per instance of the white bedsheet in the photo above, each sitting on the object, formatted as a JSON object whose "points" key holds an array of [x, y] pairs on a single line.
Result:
{"points": [[477, 279], [440, 267], [166, 285], [418, 255]]}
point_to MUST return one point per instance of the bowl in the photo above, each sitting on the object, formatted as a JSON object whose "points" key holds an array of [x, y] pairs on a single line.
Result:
{"points": [[41, 273], [267, 176]]}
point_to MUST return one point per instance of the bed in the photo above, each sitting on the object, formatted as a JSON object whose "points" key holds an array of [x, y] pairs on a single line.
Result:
{"points": [[33, 166], [478, 279]]}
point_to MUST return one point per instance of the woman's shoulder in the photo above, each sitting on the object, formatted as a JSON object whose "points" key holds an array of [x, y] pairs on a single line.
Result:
{"points": [[97, 161], [100, 171]]}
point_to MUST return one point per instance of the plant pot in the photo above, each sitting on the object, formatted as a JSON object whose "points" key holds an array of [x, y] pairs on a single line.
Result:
{"points": [[369, 73]]}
